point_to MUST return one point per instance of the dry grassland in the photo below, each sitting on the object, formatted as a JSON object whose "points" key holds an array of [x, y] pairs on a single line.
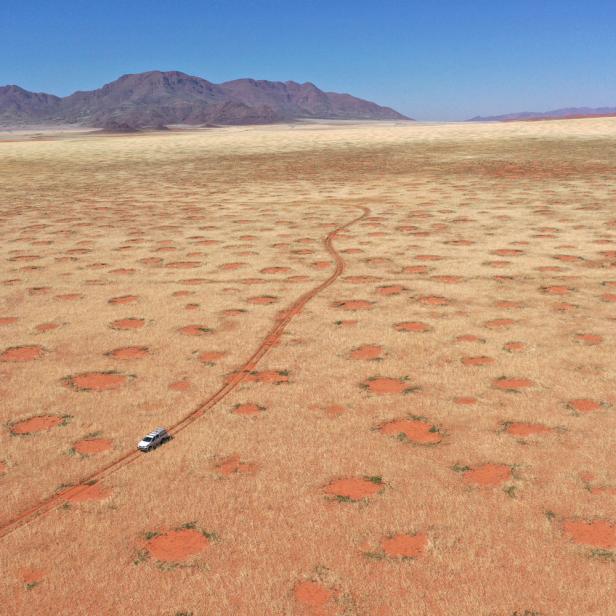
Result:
{"points": [[432, 433]]}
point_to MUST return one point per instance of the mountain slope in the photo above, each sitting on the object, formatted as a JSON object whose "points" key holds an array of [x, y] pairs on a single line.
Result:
{"points": [[566, 113], [158, 98]]}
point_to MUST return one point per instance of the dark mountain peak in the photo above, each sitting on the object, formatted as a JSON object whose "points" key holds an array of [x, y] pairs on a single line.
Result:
{"points": [[18, 91], [156, 98], [21, 106]]}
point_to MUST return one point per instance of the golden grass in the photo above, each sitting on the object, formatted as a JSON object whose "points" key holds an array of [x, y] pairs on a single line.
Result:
{"points": [[488, 234]]}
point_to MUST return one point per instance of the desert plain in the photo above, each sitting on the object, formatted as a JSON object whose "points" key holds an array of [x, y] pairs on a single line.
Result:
{"points": [[385, 352]]}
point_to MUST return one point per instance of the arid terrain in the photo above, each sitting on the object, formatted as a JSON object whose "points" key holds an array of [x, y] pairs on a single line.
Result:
{"points": [[385, 352]]}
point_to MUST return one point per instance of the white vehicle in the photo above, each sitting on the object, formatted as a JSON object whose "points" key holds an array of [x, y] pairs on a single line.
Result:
{"points": [[153, 439]]}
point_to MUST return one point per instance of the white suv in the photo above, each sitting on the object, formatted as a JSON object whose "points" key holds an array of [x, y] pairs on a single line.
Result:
{"points": [[153, 439]]}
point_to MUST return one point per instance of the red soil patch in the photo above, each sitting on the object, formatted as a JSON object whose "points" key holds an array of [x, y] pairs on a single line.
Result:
{"points": [[447, 279], [263, 299], [182, 293], [92, 445], [123, 299], [347, 322], [94, 492], [596, 490], [414, 430], [469, 338], [39, 290], [31, 576], [415, 269], [465, 400], [404, 546], [233, 465], [429, 257], [412, 326], [557, 290], [46, 327], [477, 361], [549, 268], [248, 409], [353, 489], [22, 353], [507, 252], [333, 410], [488, 474], [460, 242], [233, 312], [268, 376], [514, 346], [311, 594], [231, 266], [508, 304], [275, 270], [354, 304], [180, 386], [584, 405], [526, 429], [608, 297], [499, 323], [132, 352], [598, 533], [36, 424], [568, 258], [183, 264], [193, 281], [194, 330], [8, 320], [564, 307], [96, 381], [209, 357], [386, 385], [589, 339], [321, 265], [512, 384], [130, 323], [434, 300], [367, 351], [394, 289], [177, 545]]}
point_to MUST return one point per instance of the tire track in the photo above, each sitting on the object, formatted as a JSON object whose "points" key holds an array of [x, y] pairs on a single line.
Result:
{"points": [[283, 319]]}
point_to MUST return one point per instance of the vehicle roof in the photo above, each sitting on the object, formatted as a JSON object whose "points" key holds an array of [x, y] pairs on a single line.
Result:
{"points": [[156, 431]]}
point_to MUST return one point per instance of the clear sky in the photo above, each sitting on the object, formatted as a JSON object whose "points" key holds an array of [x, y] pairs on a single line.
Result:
{"points": [[430, 59]]}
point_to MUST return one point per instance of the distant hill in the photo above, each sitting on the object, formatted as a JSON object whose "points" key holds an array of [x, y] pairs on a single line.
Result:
{"points": [[556, 114], [156, 98]]}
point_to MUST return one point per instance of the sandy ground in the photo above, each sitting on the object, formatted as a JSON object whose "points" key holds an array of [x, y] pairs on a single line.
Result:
{"points": [[429, 428]]}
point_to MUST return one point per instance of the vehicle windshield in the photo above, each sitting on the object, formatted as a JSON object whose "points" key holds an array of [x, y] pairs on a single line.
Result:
{"points": [[147, 439]]}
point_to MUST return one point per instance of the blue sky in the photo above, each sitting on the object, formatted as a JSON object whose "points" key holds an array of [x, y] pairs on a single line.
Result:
{"points": [[433, 60]]}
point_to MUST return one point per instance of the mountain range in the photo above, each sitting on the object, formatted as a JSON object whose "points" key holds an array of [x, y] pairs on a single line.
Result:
{"points": [[156, 99], [556, 114]]}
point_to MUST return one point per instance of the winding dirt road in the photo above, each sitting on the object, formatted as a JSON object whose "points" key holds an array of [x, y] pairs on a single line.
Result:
{"points": [[274, 335]]}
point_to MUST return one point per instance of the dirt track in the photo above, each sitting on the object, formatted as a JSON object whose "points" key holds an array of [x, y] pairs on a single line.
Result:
{"points": [[237, 377]]}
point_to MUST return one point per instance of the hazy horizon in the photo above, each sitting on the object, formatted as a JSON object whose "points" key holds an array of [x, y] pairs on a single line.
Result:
{"points": [[445, 62]]}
